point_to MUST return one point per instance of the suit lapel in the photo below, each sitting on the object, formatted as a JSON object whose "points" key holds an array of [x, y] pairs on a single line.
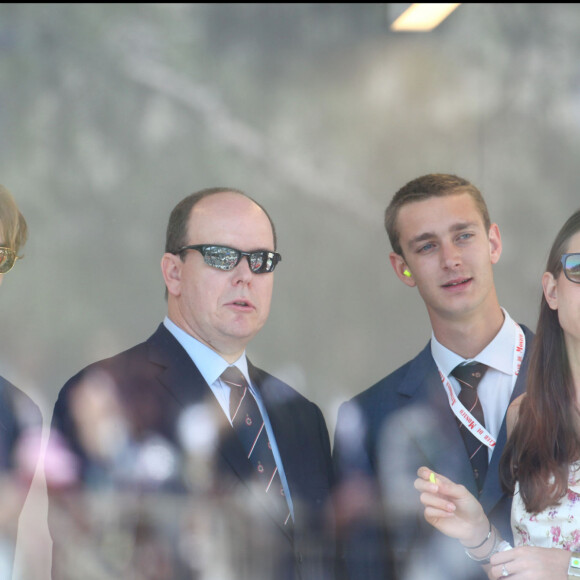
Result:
{"points": [[429, 421], [182, 379]]}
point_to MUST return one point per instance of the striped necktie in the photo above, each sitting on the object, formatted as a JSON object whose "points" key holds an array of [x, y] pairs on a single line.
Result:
{"points": [[469, 375], [249, 426]]}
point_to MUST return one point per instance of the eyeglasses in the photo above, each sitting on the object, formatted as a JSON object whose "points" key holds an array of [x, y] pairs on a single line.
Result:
{"points": [[224, 258], [571, 266], [7, 259]]}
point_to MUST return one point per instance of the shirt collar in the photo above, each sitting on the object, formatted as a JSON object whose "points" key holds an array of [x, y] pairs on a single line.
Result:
{"points": [[209, 363], [498, 354]]}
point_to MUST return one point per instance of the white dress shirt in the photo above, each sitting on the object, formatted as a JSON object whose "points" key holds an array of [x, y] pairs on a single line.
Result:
{"points": [[496, 387]]}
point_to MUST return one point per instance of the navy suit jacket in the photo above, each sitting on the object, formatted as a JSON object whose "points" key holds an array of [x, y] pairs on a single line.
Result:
{"points": [[164, 400], [383, 436], [19, 417]]}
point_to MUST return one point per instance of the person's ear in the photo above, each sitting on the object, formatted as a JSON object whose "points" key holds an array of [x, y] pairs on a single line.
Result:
{"points": [[550, 290], [401, 269], [495, 245], [171, 267]]}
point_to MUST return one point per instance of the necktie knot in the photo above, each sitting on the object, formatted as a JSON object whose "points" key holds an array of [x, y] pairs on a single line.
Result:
{"points": [[470, 374], [234, 378]]}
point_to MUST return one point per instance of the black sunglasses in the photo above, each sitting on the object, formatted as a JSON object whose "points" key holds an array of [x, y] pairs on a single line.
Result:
{"points": [[571, 266], [224, 258], [8, 258]]}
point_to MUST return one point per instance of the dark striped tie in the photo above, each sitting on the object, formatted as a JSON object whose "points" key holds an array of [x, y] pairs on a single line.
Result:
{"points": [[249, 425], [469, 375]]}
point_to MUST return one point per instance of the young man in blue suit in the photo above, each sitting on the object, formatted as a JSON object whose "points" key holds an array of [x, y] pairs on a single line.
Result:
{"points": [[156, 428], [445, 245]]}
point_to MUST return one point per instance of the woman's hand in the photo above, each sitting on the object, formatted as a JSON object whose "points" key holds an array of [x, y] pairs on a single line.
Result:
{"points": [[530, 563], [451, 509]]}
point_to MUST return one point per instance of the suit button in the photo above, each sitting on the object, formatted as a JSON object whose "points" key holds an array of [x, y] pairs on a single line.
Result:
{"points": [[299, 557]]}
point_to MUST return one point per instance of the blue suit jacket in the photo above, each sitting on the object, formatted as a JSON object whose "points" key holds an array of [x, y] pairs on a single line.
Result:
{"points": [[160, 393], [19, 417], [383, 436]]}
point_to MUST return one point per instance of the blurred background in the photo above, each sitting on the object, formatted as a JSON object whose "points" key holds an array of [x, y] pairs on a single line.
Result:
{"points": [[111, 114]]}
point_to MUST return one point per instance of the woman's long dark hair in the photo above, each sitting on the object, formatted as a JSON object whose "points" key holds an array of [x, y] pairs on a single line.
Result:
{"points": [[545, 440]]}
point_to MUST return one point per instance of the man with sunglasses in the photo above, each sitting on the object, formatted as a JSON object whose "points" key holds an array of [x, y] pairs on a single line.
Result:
{"points": [[446, 407], [246, 455], [20, 417]]}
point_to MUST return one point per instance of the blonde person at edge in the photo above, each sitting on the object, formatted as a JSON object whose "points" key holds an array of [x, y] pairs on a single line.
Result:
{"points": [[19, 416], [542, 456]]}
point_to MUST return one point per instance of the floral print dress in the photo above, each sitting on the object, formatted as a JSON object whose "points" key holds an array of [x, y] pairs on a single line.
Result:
{"points": [[557, 526]]}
